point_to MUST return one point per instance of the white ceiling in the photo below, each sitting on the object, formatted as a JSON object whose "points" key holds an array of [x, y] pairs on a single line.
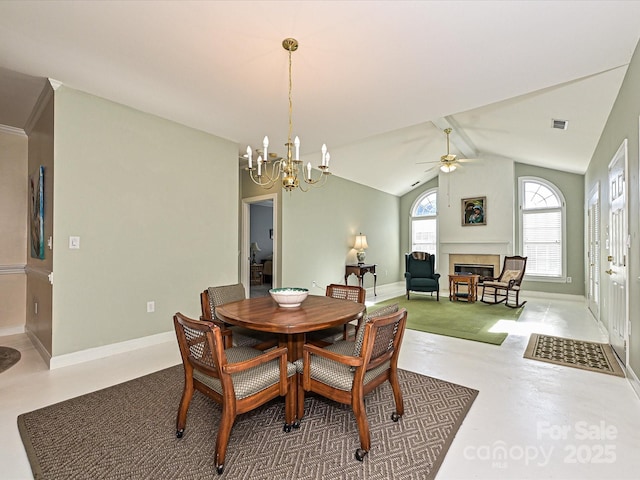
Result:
{"points": [[371, 79]]}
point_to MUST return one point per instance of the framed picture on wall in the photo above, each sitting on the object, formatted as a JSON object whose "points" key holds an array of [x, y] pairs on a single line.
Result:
{"points": [[36, 213], [474, 211]]}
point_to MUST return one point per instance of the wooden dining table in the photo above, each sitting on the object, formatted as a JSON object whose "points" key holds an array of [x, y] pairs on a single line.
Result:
{"points": [[291, 324]]}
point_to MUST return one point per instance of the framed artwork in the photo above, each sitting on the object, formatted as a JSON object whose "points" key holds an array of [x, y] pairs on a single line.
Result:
{"points": [[36, 213], [271, 233], [474, 211]]}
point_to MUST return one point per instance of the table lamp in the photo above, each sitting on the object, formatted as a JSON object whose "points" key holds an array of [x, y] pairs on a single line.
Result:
{"points": [[254, 248], [360, 245]]}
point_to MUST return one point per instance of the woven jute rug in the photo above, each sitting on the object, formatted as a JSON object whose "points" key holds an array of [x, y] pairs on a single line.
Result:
{"points": [[593, 356], [128, 431]]}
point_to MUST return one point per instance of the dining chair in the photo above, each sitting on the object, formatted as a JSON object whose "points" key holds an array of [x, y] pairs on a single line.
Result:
{"points": [[213, 297], [240, 379], [341, 332], [346, 372], [506, 287]]}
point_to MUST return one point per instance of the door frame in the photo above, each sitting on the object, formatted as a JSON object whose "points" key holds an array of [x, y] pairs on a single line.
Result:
{"points": [[594, 256], [245, 242]]}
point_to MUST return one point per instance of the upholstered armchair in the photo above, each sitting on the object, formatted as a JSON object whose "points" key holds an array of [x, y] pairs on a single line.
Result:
{"points": [[240, 379], [420, 274]]}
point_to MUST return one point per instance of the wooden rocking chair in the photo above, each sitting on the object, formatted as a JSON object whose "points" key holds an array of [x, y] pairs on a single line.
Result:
{"points": [[506, 287]]}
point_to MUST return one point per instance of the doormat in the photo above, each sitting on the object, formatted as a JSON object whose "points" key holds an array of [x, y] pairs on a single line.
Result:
{"points": [[593, 356]]}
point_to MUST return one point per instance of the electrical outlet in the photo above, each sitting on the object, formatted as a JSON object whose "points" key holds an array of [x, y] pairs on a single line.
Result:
{"points": [[74, 242], [151, 307], [569, 279]]}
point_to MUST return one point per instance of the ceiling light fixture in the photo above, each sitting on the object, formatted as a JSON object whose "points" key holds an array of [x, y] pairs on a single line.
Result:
{"points": [[270, 168], [448, 161]]}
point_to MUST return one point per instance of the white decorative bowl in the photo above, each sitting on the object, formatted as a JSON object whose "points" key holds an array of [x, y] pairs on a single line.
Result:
{"points": [[289, 297]]}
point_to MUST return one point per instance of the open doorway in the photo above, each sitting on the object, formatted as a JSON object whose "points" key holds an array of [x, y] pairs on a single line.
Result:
{"points": [[259, 245]]}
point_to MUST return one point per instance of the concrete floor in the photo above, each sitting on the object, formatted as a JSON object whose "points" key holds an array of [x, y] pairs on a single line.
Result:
{"points": [[531, 419]]}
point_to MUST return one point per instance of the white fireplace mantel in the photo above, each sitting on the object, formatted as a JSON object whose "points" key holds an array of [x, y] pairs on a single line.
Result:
{"points": [[477, 247]]}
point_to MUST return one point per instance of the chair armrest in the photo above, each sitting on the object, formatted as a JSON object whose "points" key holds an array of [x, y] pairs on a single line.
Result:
{"points": [[436, 276], [254, 362], [321, 352], [407, 275]]}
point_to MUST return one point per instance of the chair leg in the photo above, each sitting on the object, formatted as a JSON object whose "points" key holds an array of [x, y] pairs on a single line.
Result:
{"points": [[187, 395], [408, 295], [290, 403], [300, 400], [363, 426], [224, 432], [517, 299], [397, 395]]}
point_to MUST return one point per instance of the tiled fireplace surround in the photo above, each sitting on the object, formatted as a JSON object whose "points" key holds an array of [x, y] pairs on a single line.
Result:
{"points": [[485, 253]]}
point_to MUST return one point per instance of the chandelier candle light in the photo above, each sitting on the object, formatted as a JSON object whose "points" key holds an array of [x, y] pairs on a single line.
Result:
{"points": [[270, 168]]}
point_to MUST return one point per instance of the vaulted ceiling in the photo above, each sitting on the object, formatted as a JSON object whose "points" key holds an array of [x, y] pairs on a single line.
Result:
{"points": [[377, 81]]}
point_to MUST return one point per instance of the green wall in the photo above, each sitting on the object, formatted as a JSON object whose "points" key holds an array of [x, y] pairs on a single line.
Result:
{"points": [[622, 124], [155, 206], [572, 187], [319, 229]]}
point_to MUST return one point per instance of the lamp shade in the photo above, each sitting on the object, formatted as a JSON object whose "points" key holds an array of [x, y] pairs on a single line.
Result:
{"points": [[254, 247], [361, 242]]}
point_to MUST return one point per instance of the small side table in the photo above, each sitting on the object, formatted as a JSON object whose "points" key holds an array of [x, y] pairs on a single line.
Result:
{"points": [[359, 270], [470, 281], [256, 273]]}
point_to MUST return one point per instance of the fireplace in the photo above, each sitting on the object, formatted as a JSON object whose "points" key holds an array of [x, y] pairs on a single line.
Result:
{"points": [[485, 265], [486, 272]]}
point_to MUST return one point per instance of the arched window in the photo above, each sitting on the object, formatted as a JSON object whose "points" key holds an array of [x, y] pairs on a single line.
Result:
{"points": [[424, 228], [542, 229]]}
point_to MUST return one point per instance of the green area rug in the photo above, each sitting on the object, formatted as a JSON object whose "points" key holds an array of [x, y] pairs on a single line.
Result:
{"points": [[470, 321]]}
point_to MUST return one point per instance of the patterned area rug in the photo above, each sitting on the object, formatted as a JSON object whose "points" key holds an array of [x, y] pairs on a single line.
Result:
{"points": [[128, 431], [597, 357], [8, 358]]}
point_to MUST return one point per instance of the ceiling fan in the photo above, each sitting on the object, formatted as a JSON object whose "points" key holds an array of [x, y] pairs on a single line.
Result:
{"points": [[448, 162]]}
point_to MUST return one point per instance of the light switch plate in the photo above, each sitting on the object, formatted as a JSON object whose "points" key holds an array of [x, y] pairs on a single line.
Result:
{"points": [[74, 242]]}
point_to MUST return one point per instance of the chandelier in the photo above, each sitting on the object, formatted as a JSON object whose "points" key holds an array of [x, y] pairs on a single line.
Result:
{"points": [[270, 168]]}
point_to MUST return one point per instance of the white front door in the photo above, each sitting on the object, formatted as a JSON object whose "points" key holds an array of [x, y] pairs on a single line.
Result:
{"points": [[593, 260], [617, 254]]}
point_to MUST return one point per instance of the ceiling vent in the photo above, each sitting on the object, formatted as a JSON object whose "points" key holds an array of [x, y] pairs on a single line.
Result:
{"points": [[560, 124]]}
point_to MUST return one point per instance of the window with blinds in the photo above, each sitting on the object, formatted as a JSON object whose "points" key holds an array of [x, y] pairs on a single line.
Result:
{"points": [[424, 226], [542, 229]]}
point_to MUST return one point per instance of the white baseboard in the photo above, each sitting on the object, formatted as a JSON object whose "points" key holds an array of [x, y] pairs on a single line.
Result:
{"points": [[96, 353], [44, 353], [634, 381], [6, 331]]}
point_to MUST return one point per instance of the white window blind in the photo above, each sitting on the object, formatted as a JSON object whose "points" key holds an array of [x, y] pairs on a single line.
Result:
{"points": [[424, 225], [424, 235], [542, 242], [542, 228]]}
